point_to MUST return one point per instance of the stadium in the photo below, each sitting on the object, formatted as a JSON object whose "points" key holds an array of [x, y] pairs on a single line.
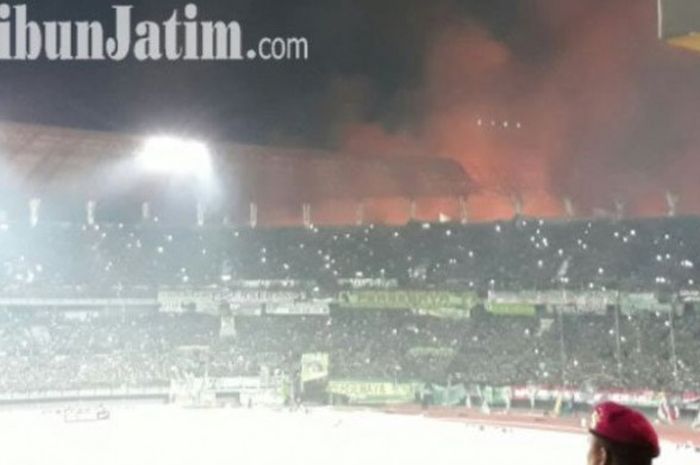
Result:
{"points": [[168, 297]]}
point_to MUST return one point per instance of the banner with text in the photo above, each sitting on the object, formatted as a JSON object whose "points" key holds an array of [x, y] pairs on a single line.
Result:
{"points": [[271, 284], [313, 307], [645, 398], [203, 300], [373, 392], [425, 301], [689, 296], [570, 301], [368, 283], [262, 296]]}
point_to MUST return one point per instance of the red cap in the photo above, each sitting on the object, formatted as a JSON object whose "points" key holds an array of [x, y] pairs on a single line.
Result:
{"points": [[622, 425]]}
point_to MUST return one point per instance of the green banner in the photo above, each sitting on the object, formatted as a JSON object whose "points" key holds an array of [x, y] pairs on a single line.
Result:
{"points": [[496, 395], [314, 366], [511, 309], [431, 302], [449, 396], [373, 392]]}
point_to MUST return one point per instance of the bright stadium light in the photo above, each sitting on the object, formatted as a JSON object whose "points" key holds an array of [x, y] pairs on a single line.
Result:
{"points": [[174, 156]]}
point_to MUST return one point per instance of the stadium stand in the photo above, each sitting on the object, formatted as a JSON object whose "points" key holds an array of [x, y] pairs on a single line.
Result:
{"points": [[52, 338]]}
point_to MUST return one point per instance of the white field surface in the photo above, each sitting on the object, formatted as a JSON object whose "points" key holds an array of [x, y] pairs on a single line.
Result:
{"points": [[162, 435]]}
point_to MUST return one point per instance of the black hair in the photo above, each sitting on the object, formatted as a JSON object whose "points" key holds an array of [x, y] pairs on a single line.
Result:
{"points": [[624, 454]]}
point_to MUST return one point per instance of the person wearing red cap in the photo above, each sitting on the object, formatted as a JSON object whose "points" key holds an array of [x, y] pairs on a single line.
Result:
{"points": [[621, 436]]}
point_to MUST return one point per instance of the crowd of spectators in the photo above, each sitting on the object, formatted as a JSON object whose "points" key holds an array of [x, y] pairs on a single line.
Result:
{"points": [[53, 349], [515, 255], [42, 352]]}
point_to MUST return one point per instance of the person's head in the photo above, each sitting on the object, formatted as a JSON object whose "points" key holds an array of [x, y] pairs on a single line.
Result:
{"points": [[604, 452], [621, 436]]}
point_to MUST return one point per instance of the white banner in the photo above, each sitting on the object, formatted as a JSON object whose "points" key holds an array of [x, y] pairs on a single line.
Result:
{"points": [[640, 398], [245, 296], [689, 296], [76, 303], [368, 283], [563, 300], [298, 308], [272, 284], [205, 300]]}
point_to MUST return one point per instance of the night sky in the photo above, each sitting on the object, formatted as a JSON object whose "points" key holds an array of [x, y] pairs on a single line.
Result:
{"points": [[381, 43]]}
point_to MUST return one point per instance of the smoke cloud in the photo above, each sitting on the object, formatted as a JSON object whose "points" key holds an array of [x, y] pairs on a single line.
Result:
{"points": [[578, 100]]}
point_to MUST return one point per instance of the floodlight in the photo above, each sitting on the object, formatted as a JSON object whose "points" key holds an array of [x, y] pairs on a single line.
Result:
{"points": [[174, 156]]}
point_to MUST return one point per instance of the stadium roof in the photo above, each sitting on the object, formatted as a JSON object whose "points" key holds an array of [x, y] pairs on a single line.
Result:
{"points": [[48, 159], [679, 23]]}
